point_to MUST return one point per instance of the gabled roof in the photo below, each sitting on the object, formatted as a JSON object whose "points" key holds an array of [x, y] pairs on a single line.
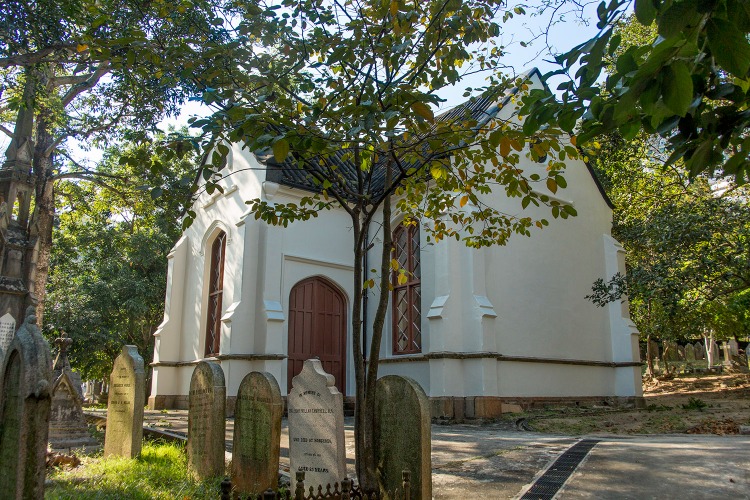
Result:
{"points": [[479, 109]]}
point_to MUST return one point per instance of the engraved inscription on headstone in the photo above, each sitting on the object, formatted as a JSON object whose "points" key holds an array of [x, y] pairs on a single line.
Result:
{"points": [[402, 436], [24, 412], [206, 421], [7, 331], [124, 434], [316, 426], [257, 434]]}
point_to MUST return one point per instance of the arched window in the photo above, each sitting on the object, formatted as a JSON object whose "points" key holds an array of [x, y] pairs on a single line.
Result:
{"points": [[407, 296], [215, 292]]}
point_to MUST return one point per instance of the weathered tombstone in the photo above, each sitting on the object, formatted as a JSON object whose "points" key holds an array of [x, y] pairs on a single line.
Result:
{"points": [[206, 420], [689, 354], [700, 350], [124, 434], [680, 353], [7, 332], [726, 354], [714, 353], [256, 443], [67, 425], [24, 412], [734, 348], [316, 426], [402, 436]]}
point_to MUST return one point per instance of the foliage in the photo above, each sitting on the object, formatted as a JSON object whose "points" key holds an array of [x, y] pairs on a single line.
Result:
{"points": [[690, 84], [695, 404], [107, 287], [688, 258], [159, 472]]}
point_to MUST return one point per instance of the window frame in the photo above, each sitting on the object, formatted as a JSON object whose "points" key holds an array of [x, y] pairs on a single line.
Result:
{"points": [[413, 283], [215, 296]]}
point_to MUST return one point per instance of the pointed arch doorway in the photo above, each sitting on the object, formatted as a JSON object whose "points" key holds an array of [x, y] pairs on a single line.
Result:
{"points": [[317, 328]]}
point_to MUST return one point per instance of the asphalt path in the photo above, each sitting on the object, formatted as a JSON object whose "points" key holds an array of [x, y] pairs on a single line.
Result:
{"points": [[496, 461]]}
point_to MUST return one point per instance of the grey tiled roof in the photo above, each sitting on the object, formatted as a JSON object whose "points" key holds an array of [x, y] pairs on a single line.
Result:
{"points": [[289, 173]]}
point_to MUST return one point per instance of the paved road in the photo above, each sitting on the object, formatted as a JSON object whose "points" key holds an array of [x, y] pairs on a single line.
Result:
{"points": [[496, 461]]}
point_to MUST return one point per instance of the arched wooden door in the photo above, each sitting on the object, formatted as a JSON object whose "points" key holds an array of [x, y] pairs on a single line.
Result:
{"points": [[317, 328]]}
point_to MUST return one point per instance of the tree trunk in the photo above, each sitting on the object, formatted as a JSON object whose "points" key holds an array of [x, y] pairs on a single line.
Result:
{"points": [[44, 211], [359, 363], [649, 358], [369, 481]]}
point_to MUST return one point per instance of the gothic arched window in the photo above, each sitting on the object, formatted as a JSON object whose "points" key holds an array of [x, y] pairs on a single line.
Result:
{"points": [[215, 292], [407, 295]]}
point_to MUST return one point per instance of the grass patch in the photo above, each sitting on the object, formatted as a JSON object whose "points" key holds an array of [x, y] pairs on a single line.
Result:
{"points": [[160, 472]]}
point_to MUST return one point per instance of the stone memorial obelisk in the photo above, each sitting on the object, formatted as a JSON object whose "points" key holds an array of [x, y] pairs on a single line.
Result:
{"points": [[402, 436], [206, 421], [257, 434], [24, 412], [127, 395], [316, 427]]}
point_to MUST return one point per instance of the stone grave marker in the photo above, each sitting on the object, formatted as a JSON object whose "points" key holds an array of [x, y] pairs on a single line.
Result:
{"points": [[734, 348], [680, 353], [256, 443], [316, 426], [402, 435], [24, 412], [714, 353], [690, 354], [67, 425], [207, 401], [124, 434], [700, 351], [7, 332], [726, 354]]}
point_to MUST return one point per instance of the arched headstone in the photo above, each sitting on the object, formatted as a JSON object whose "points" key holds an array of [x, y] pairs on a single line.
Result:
{"points": [[402, 435], [257, 434], [124, 434], [206, 421], [24, 412], [316, 426]]}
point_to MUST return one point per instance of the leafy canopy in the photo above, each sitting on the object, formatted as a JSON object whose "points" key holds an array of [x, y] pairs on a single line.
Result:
{"points": [[689, 83]]}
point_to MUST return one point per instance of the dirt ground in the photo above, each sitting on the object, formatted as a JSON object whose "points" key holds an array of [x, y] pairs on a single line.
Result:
{"points": [[692, 404]]}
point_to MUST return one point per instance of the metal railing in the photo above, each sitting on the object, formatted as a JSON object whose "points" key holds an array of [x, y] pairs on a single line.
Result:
{"points": [[348, 491]]}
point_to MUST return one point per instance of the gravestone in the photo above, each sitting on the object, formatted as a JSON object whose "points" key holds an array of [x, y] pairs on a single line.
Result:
{"points": [[67, 425], [714, 352], [726, 354], [24, 412], [700, 351], [402, 435], [127, 381], [680, 353], [7, 332], [207, 401], [690, 354], [316, 426], [734, 348], [256, 443]]}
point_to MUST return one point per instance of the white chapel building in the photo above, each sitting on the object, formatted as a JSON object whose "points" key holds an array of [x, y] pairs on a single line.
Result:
{"points": [[478, 329]]}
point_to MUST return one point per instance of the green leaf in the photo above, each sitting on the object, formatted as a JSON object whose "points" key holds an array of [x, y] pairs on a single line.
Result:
{"points": [[280, 150], [729, 46], [677, 88], [424, 111], [645, 11]]}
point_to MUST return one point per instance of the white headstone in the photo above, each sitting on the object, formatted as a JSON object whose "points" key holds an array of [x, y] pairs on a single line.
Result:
{"points": [[316, 426], [734, 348], [7, 331]]}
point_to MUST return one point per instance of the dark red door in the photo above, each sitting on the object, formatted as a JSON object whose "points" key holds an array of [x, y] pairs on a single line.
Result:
{"points": [[317, 328]]}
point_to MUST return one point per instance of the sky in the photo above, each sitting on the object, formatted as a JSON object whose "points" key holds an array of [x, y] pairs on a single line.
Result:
{"points": [[567, 31]]}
